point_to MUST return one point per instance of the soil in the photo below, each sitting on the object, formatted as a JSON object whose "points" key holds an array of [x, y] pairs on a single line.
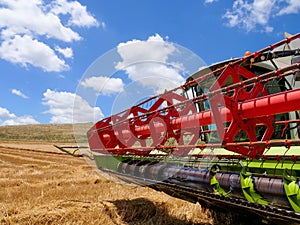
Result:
{"points": [[41, 185]]}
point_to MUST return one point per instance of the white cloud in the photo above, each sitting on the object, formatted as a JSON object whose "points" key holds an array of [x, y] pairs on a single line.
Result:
{"points": [[5, 113], [255, 15], [26, 51], [209, 1], [63, 110], [36, 23], [18, 93], [249, 15], [293, 6], [159, 77], [79, 15], [153, 49], [147, 61], [103, 24], [29, 17], [66, 52], [8, 118], [104, 85], [22, 120]]}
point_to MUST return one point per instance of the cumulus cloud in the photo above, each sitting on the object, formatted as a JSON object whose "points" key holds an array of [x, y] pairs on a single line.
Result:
{"points": [[155, 48], [8, 118], [63, 110], [32, 25], [18, 93], [31, 17], [104, 85], [5, 113], [255, 15], [79, 15], [291, 7], [248, 15], [22, 120], [26, 51], [66, 52], [159, 77], [147, 61]]}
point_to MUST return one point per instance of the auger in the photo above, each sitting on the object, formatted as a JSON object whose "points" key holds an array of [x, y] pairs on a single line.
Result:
{"points": [[229, 136]]}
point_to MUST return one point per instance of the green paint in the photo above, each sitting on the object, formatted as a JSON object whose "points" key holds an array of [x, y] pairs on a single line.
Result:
{"points": [[247, 185], [292, 190], [108, 162], [214, 183]]}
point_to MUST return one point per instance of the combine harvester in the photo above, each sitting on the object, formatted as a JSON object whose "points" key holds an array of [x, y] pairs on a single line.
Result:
{"points": [[228, 137]]}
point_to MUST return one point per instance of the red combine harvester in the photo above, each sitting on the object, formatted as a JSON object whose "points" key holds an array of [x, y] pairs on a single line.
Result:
{"points": [[228, 137]]}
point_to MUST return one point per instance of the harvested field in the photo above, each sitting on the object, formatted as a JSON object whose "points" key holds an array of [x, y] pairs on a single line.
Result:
{"points": [[40, 185]]}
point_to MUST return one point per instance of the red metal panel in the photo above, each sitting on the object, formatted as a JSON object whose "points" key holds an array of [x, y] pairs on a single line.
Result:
{"points": [[260, 107]]}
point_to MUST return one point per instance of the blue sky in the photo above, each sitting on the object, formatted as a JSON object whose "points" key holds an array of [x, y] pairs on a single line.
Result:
{"points": [[55, 51]]}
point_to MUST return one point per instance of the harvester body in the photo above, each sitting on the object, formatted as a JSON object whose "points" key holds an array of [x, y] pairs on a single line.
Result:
{"points": [[229, 135]]}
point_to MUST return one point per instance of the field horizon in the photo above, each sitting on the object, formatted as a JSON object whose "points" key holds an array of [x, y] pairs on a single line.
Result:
{"points": [[58, 133]]}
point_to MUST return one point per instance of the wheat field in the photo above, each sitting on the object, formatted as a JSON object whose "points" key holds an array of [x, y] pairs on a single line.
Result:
{"points": [[41, 185]]}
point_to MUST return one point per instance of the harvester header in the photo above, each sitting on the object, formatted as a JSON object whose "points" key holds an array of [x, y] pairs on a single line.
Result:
{"points": [[229, 136]]}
